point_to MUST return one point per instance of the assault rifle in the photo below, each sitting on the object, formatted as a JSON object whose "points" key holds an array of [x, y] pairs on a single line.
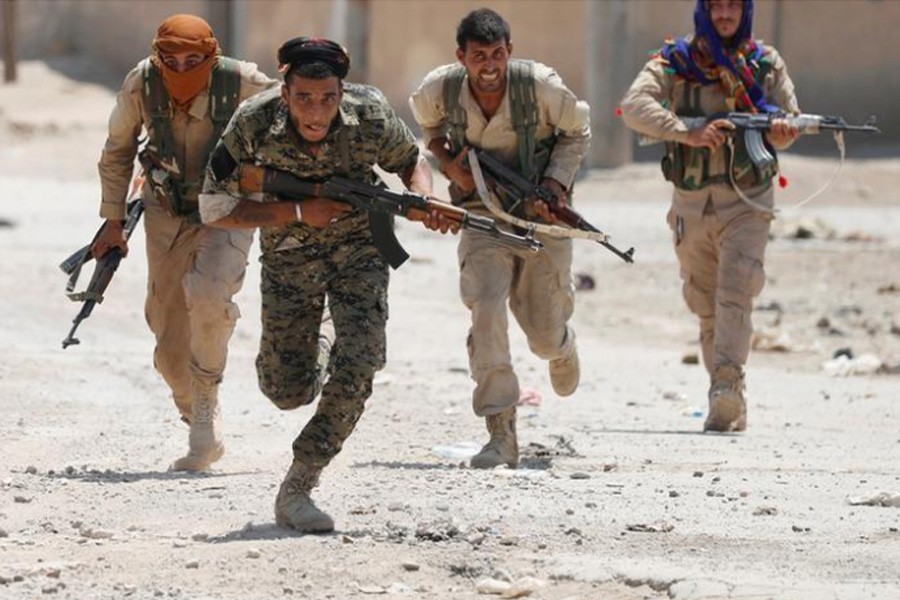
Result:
{"points": [[520, 189], [752, 126], [380, 202], [103, 271]]}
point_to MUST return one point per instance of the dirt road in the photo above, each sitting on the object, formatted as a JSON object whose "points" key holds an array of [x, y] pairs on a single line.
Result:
{"points": [[620, 495]]}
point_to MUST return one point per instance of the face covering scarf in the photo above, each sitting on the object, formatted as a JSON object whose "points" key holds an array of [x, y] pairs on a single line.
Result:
{"points": [[179, 34]]}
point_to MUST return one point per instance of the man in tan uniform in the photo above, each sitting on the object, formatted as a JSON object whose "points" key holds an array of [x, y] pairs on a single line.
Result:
{"points": [[193, 270], [720, 238], [469, 104]]}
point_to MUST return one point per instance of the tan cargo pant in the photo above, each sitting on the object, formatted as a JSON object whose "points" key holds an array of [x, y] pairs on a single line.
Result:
{"points": [[194, 271], [541, 296], [720, 243]]}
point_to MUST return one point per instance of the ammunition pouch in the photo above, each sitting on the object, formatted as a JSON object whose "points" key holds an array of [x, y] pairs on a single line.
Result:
{"points": [[688, 168], [170, 193]]}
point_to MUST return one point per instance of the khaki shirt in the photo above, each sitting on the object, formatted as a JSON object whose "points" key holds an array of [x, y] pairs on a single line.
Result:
{"points": [[656, 94], [191, 131], [560, 112], [261, 132]]}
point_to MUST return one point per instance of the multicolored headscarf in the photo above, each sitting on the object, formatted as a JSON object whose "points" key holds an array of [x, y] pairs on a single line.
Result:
{"points": [[703, 58]]}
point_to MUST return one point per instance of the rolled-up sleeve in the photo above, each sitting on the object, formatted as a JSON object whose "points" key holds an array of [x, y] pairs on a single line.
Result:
{"points": [[399, 151], [571, 118], [780, 90], [221, 192], [427, 105], [643, 108], [116, 164], [254, 81]]}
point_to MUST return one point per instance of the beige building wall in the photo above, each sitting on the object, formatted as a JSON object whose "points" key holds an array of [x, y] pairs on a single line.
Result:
{"points": [[841, 53], [269, 23], [115, 32], [402, 54]]}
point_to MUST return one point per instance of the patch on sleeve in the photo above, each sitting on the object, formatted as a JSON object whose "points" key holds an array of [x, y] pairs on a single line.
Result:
{"points": [[221, 162]]}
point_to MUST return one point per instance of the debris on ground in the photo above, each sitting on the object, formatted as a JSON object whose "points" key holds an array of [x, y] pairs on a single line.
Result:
{"points": [[842, 366]]}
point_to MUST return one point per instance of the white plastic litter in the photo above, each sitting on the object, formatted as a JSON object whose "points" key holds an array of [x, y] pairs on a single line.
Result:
{"points": [[880, 499], [457, 451], [865, 364]]}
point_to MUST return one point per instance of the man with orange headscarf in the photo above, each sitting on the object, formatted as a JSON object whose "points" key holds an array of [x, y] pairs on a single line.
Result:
{"points": [[182, 95]]}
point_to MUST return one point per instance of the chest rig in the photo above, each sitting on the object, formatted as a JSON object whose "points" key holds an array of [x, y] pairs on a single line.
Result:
{"points": [[533, 156], [165, 176], [689, 168]]}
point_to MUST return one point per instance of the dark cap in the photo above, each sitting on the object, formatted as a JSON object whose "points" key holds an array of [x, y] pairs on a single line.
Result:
{"points": [[304, 50]]}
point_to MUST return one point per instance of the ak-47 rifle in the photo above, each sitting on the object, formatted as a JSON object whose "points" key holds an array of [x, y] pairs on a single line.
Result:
{"points": [[103, 271], [753, 125], [380, 203], [520, 189]]}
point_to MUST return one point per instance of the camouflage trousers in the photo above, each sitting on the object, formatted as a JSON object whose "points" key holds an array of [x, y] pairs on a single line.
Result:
{"points": [[721, 252], [193, 273], [292, 366]]}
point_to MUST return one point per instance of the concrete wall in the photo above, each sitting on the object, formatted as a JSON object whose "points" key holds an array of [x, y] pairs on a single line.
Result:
{"points": [[538, 30], [117, 33], [840, 52]]}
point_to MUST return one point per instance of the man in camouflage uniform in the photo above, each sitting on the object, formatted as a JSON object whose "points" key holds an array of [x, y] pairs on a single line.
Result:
{"points": [[316, 127], [720, 239], [193, 270], [537, 287]]}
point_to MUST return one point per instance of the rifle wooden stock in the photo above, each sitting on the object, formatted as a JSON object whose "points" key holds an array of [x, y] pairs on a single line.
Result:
{"points": [[379, 202]]}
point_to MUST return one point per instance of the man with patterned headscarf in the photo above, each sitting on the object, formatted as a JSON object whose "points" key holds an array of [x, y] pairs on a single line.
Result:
{"points": [[720, 239], [182, 96], [315, 127]]}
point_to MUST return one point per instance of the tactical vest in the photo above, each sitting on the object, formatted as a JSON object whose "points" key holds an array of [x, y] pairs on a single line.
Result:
{"points": [[179, 197], [688, 168], [533, 156]]}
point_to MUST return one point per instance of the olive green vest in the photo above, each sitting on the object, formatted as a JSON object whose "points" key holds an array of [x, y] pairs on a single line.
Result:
{"points": [[224, 97], [533, 156], [688, 168]]}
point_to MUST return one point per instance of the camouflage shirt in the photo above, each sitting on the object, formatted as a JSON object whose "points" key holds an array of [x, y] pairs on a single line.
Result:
{"points": [[366, 133]]}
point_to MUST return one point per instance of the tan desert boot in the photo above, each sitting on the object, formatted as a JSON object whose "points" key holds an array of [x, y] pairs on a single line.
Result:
{"points": [[205, 438], [565, 371], [293, 506], [727, 407], [183, 404], [503, 448]]}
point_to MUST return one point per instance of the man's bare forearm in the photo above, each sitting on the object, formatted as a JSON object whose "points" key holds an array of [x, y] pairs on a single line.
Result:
{"points": [[438, 147], [418, 178], [249, 214]]}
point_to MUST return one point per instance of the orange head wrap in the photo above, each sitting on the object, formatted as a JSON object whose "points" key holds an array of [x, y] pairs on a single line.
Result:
{"points": [[179, 34]]}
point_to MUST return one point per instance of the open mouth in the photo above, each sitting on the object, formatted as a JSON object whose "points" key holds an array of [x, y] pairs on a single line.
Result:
{"points": [[317, 129]]}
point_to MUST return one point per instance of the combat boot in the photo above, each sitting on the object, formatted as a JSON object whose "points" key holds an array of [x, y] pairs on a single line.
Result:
{"points": [[565, 371], [293, 506], [205, 438], [727, 407], [503, 448]]}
